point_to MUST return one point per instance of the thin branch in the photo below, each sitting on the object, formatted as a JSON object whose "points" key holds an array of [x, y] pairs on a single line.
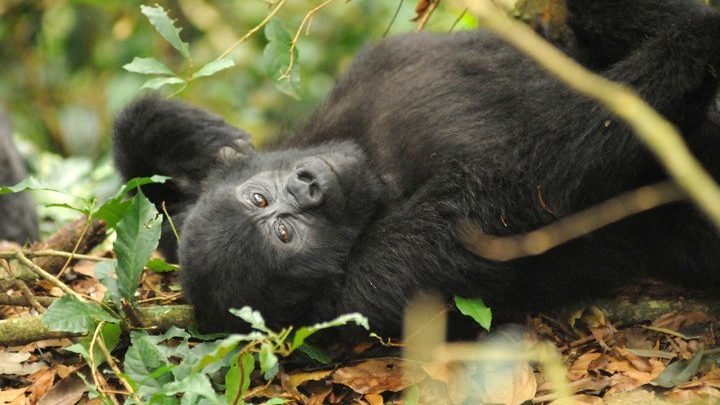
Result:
{"points": [[253, 30], [26, 292], [457, 20], [426, 16], [170, 221], [88, 221], [659, 135], [10, 254], [296, 38], [394, 18], [22, 301], [571, 227], [20, 256], [113, 365]]}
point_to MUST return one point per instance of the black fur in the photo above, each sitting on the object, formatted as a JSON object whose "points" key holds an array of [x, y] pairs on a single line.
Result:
{"points": [[448, 128], [18, 220]]}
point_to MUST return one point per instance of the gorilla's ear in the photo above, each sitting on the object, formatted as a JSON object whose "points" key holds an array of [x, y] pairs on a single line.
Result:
{"points": [[239, 149]]}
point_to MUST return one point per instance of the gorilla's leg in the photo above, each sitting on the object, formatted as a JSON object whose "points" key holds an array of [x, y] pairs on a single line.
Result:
{"points": [[156, 136]]}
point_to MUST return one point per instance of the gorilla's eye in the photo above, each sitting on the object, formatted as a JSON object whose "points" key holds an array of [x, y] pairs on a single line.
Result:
{"points": [[283, 233], [259, 200]]}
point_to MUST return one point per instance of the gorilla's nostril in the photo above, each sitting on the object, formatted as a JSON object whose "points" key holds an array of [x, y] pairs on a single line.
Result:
{"points": [[305, 176], [314, 190]]}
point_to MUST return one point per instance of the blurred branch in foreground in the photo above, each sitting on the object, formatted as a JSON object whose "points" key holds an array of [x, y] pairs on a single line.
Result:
{"points": [[571, 227]]}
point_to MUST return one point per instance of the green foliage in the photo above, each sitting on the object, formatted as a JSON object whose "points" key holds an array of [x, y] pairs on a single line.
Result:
{"points": [[476, 309], [167, 29], [276, 58], [138, 234], [161, 266], [679, 372], [70, 314]]}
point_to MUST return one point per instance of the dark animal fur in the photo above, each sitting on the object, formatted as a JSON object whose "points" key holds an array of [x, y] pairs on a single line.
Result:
{"points": [[458, 126]]}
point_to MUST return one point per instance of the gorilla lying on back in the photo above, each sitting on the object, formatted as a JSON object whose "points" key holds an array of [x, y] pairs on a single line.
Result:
{"points": [[359, 210]]}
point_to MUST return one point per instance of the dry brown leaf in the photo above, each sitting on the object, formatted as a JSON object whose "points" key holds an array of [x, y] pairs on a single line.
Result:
{"points": [[374, 399], [9, 395], [318, 397], [67, 391], [17, 364], [296, 379], [84, 267], [374, 376], [43, 382], [583, 399], [581, 366]]}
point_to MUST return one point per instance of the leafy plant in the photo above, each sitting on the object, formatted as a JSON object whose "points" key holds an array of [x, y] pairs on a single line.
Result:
{"points": [[475, 309]]}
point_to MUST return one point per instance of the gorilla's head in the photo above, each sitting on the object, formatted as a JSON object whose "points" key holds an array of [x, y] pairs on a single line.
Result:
{"points": [[273, 229]]}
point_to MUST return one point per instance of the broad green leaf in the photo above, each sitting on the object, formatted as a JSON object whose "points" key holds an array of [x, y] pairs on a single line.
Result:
{"points": [[276, 59], [254, 318], [110, 334], [114, 208], [236, 375], [476, 309], [158, 82], [69, 314], [679, 372], [148, 66], [161, 266], [315, 353], [105, 272], [268, 361], [166, 27], [138, 234], [197, 385], [213, 67], [29, 183], [223, 347], [142, 359], [303, 333]]}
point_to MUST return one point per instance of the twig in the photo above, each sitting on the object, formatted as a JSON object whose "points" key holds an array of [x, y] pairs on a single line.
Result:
{"points": [[571, 227], [22, 301], [296, 38], [116, 370], [10, 254], [93, 365], [457, 20], [394, 17], [77, 244], [426, 16], [26, 292], [170, 221], [659, 135], [20, 256], [252, 31]]}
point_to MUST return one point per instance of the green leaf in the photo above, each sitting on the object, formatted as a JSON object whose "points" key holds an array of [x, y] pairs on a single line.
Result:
{"points": [[304, 332], [197, 385], [148, 66], [138, 234], [234, 376], [161, 266], [315, 353], [105, 272], [213, 67], [166, 27], [110, 334], [69, 314], [275, 401], [158, 82], [679, 372], [254, 318], [268, 361], [223, 347], [412, 395], [276, 59], [142, 359], [476, 309], [114, 208], [29, 183]]}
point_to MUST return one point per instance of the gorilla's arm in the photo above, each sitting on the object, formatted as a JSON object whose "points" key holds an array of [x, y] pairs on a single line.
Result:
{"points": [[157, 136], [587, 156]]}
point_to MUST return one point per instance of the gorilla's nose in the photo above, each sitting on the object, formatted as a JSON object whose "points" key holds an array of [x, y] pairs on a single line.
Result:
{"points": [[305, 186]]}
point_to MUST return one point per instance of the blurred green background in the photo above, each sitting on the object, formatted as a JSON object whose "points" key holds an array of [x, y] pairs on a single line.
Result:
{"points": [[61, 75]]}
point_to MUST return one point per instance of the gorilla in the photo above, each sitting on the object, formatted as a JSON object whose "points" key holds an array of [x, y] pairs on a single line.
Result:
{"points": [[18, 220], [359, 210]]}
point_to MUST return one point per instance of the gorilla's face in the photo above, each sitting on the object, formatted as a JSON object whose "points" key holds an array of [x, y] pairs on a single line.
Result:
{"points": [[273, 220]]}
